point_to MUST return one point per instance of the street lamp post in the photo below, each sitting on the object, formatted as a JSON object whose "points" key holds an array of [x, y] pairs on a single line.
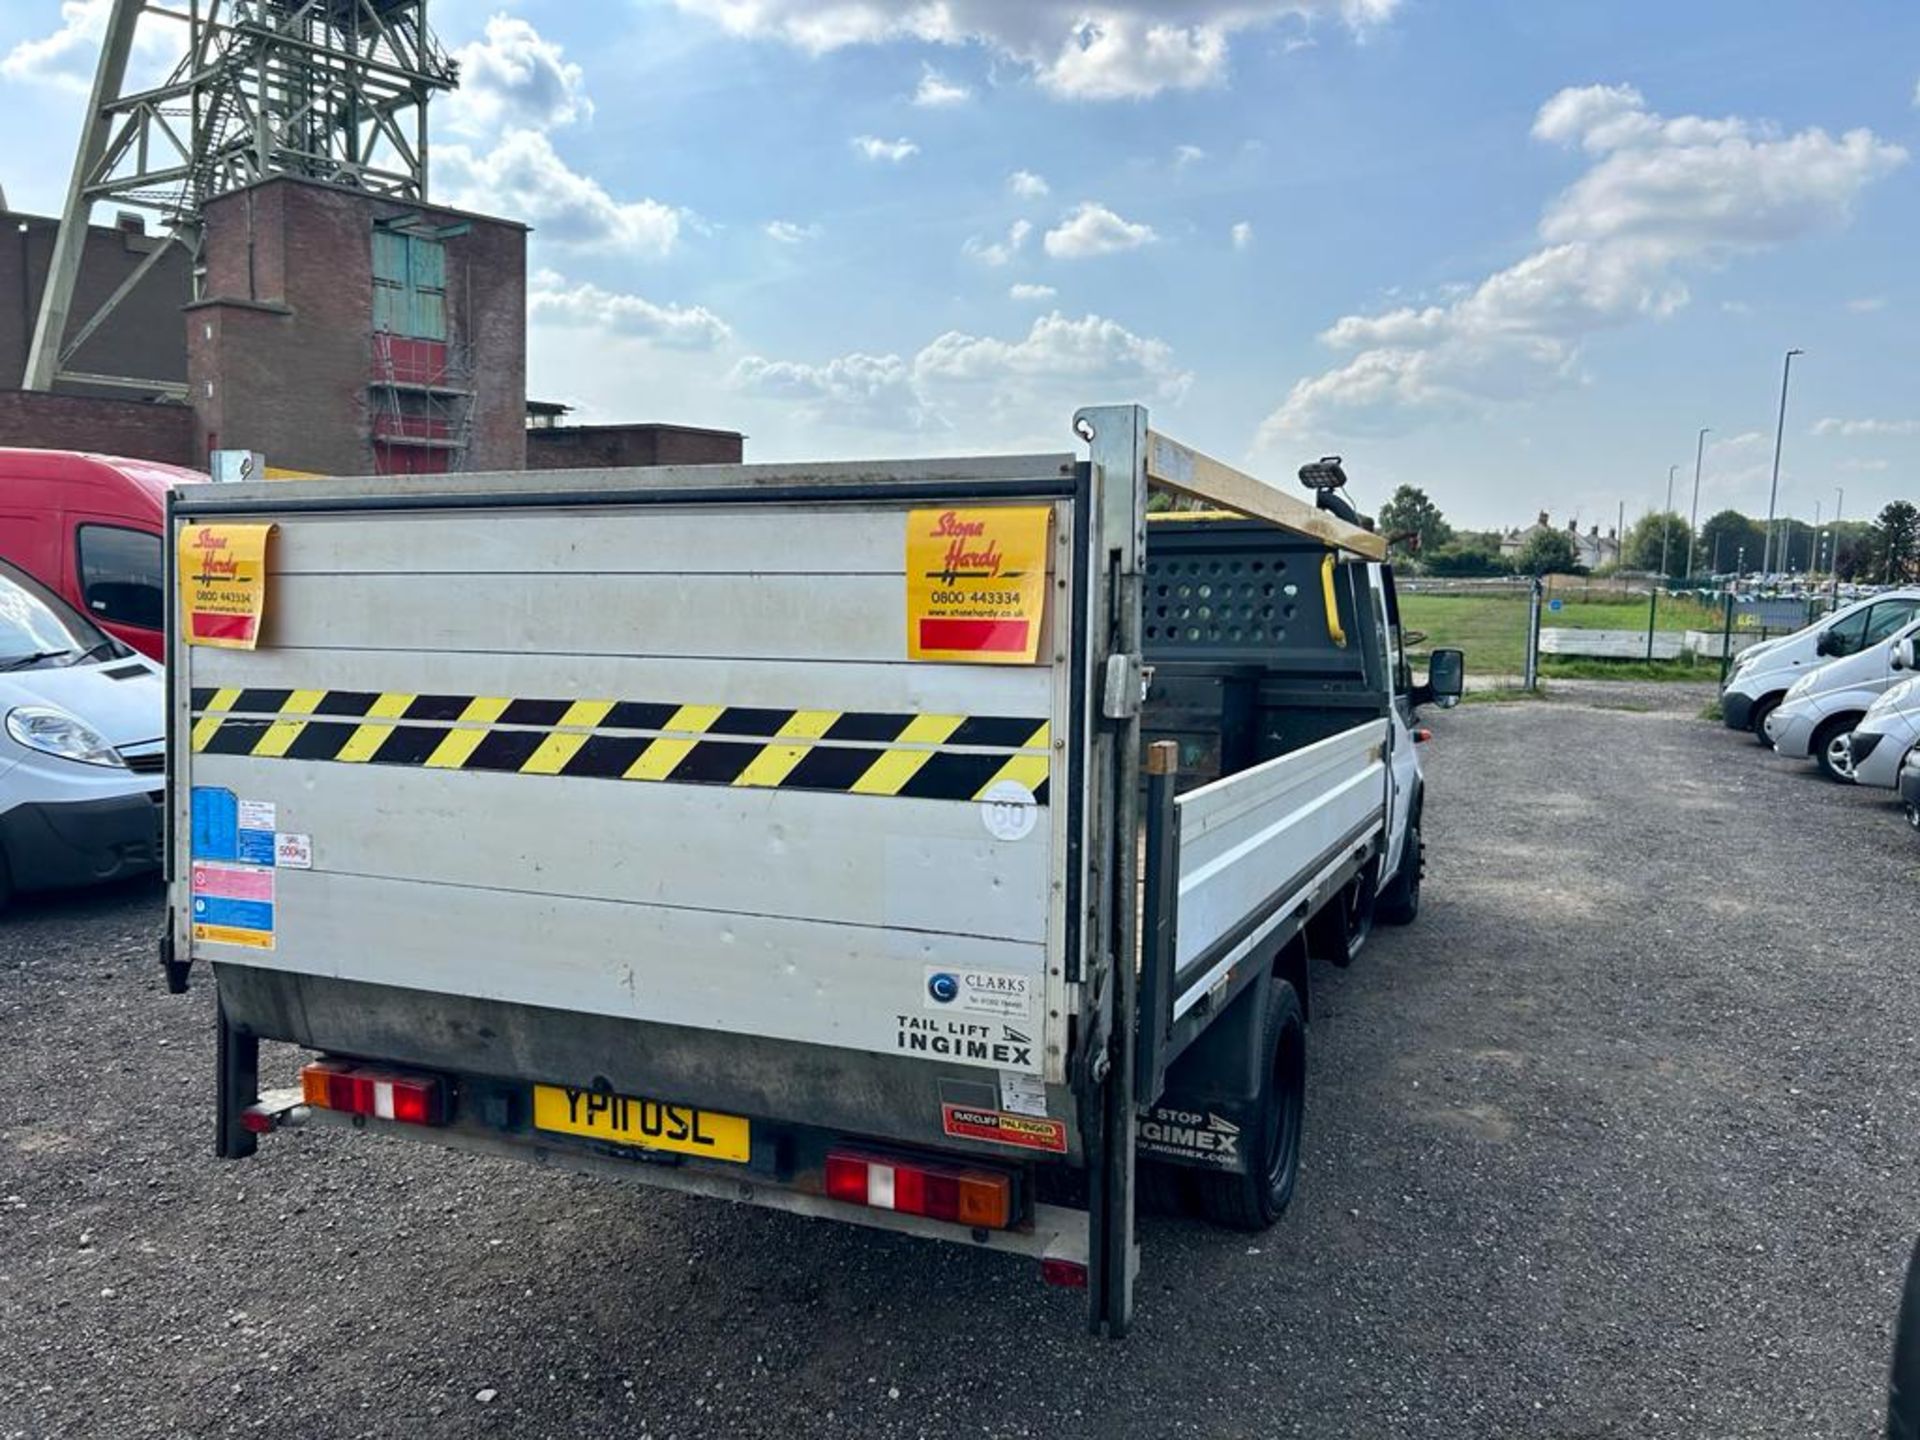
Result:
{"points": [[1779, 434], [1839, 499], [1666, 523], [1693, 516]]}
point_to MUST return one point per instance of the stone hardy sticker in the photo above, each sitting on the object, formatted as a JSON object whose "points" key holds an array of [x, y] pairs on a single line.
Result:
{"points": [[965, 1122], [977, 583], [223, 584]]}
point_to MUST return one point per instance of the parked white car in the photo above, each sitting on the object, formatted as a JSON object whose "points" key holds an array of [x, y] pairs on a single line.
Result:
{"points": [[1763, 673], [1890, 730], [1821, 709], [82, 746]]}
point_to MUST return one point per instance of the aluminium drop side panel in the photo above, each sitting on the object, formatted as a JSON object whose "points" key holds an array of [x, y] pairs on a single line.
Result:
{"points": [[751, 636], [1254, 841]]}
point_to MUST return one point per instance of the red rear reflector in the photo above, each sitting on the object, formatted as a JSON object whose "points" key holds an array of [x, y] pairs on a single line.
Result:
{"points": [[257, 1120], [982, 1199], [383, 1094], [1067, 1274]]}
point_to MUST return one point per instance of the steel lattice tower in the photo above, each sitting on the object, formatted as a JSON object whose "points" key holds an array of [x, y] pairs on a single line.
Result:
{"points": [[332, 90]]}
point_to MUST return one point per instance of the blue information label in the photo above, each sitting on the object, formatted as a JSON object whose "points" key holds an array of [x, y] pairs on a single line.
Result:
{"points": [[241, 914], [256, 847], [216, 824]]}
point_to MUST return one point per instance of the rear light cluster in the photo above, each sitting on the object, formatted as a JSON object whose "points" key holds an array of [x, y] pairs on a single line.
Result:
{"points": [[383, 1094], [979, 1198]]}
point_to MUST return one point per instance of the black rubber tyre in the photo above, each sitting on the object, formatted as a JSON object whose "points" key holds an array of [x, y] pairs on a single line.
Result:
{"points": [[1164, 1189], [1903, 1379], [1913, 818], [1762, 708], [1828, 743], [6, 881], [1399, 902], [1255, 1201]]}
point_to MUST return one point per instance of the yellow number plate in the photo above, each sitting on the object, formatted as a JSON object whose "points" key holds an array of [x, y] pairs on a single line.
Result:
{"points": [[629, 1120]]}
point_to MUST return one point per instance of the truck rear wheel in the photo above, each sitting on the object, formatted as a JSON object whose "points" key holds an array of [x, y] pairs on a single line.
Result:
{"points": [[1255, 1200], [1762, 708]]}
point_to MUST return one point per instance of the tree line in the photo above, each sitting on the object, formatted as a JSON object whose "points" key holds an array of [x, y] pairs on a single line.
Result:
{"points": [[1883, 550]]}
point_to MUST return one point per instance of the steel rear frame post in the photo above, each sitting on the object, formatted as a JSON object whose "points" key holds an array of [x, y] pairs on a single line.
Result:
{"points": [[1117, 436]]}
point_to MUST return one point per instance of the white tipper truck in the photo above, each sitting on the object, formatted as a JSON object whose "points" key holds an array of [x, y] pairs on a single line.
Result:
{"points": [[937, 846]]}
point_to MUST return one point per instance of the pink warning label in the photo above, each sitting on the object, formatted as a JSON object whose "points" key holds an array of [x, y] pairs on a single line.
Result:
{"points": [[232, 882]]}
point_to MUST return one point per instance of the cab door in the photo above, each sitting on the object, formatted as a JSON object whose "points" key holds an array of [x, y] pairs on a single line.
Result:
{"points": [[1403, 766]]}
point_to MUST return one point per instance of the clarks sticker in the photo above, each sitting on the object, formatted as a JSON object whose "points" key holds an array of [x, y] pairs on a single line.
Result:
{"points": [[977, 992], [964, 1122]]}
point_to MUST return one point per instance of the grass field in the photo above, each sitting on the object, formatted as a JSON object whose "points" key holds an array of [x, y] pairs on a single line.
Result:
{"points": [[1492, 629]]}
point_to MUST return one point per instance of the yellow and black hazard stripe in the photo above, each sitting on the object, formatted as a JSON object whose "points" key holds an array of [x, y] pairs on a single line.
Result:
{"points": [[919, 756]]}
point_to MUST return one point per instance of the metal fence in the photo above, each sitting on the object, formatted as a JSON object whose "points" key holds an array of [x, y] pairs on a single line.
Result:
{"points": [[1516, 630]]}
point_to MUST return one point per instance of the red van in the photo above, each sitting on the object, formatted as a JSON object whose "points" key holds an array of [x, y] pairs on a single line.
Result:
{"points": [[88, 527]]}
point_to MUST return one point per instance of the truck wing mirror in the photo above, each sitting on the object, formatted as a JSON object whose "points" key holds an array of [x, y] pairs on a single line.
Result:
{"points": [[1827, 644], [1903, 655], [1446, 679]]}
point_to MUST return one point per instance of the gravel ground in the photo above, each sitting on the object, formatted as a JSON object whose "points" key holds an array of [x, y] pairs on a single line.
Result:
{"points": [[1616, 1141]]}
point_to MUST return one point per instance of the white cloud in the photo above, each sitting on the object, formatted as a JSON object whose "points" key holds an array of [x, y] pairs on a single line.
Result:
{"points": [[66, 58], [1867, 304], [959, 377], [1243, 235], [937, 92], [1185, 155], [513, 78], [875, 391], [1027, 185], [1031, 292], [1000, 252], [790, 232], [874, 148], [1868, 467], [1854, 429], [1662, 197], [1736, 307], [552, 301], [1105, 50], [524, 177], [1093, 229]]}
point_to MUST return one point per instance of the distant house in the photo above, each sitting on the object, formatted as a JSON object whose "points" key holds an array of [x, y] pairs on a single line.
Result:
{"points": [[1592, 548]]}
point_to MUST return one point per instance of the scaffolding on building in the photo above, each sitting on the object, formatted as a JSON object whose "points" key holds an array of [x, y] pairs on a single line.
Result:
{"points": [[421, 398], [328, 90]]}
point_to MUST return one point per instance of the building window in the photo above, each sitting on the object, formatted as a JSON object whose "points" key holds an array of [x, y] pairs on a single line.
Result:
{"points": [[409, 285], [122, 575]]}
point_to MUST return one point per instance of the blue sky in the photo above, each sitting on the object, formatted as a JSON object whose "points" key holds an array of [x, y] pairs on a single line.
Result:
{"points": [[1515, 253]]}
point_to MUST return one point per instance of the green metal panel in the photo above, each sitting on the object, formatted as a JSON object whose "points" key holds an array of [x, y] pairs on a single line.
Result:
{"points": [[409, 286], [389, 257]]}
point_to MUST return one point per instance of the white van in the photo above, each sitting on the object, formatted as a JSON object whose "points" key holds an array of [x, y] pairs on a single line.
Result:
{"points": [[1890, 730], [82, 746], [1821, 709], [1763, 674]]}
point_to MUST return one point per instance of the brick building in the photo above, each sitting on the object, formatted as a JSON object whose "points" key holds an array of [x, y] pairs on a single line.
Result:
{"points": [[348, 334]]}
